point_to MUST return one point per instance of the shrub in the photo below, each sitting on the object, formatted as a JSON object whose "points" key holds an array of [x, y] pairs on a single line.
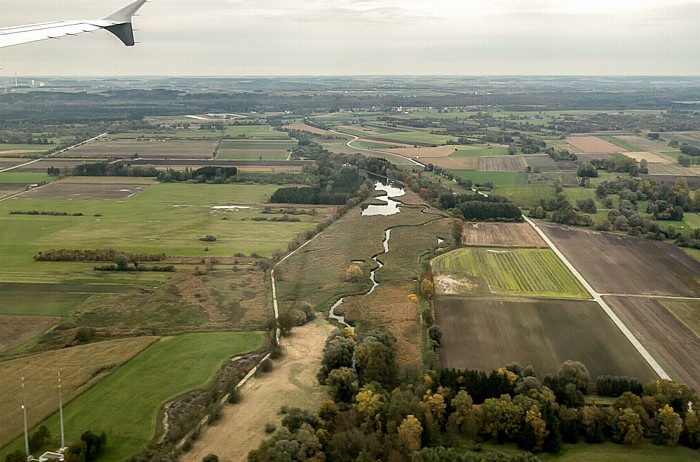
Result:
{"points": [[270, 427], [266, 366], [208, 238], [234, 396]]}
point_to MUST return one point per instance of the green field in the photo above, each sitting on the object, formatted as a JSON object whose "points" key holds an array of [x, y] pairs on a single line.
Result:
{"points": [[531, 272], [480, 150], [254, 131], [125, 405], [498, 178], [646, 452], [24, 178], [169, 218], [622, 143], [525, 196], [20, 299], [370, 145]]}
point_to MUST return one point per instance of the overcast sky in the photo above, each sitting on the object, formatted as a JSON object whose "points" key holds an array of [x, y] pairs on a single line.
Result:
{"points": [[366, 37]]}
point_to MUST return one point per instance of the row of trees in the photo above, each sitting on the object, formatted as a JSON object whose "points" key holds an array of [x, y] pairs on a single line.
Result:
{"points": [[114, 169], [207, 174], [480, 207], [96, 255], [422, 417]]}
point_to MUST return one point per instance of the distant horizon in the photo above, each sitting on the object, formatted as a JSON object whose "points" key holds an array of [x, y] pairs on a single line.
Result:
{"points": [[240, 38]]}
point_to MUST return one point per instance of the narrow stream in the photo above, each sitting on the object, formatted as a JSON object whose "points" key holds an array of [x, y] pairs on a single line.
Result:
{"points": [[391, 207], [372, 275]]}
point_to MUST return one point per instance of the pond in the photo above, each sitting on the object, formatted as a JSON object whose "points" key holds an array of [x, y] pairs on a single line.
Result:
{"points": [[391, 207]]}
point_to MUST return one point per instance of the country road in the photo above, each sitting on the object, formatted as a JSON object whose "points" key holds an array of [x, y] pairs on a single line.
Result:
{"points": [[599, 299]]}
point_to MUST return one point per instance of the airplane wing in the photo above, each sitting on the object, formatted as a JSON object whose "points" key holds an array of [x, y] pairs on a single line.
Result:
{"points": [[118, 23]]}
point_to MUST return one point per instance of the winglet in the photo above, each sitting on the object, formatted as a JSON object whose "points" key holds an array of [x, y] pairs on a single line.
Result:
{"points": [[125, 14]]}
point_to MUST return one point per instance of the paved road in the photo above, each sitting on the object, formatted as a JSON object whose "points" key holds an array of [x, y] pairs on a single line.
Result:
{"points": [[599, 299], [355, 138]]}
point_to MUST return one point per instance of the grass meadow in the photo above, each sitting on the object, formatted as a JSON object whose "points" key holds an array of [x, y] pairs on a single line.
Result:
{"points": [[23, 178], [125, 405]]}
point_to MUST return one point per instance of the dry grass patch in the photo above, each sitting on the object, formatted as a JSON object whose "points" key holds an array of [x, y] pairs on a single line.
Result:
{"points": [[592, 144], [650, 157], [15, 330], [645, 143], [81, 367]]}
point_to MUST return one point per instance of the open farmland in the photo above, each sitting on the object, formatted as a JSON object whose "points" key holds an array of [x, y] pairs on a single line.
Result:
{"points": [[95, 189], [540, 163], [478, 150], [502, 164], [615, 264], [166, 217], [184, 149], [651, 157], [592, 145], [673, 169], [528, 272], [309, 129], [688, 311], [257, 131], [15, 330], [126, 403], [668, 339], [501, 234], [80, 367], [644, 143], [486, 334]]}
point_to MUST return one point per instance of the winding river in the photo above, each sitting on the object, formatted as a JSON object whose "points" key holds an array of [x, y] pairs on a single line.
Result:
{"points": [[390, 208]]}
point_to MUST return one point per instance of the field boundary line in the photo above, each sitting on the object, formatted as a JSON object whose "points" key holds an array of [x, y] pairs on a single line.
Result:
{"points": [[599, 299]]}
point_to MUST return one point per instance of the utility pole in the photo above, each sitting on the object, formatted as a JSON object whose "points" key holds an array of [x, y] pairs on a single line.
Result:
{"points": [[60, 412], [24, 414]]}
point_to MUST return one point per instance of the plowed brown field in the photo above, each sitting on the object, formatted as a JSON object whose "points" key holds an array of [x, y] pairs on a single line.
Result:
{"points": [[670, 341], [502, 234], [592, 144], [486, 334], [615, 264]]}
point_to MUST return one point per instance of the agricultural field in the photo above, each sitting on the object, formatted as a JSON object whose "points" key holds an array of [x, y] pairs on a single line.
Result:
{"points": [[615, 264], [123, 149], [479, 150], [81, 367], [308, 128], [24, 150], [625, 143], [63, 164], [498, 178], [16, 330], [541, 163], [502, 164], [673, 169], [687, 311], [650, 157], [485, 334], [14, 177], [76, 188], [127, 402], [667, 338], [592, 145], [262, 150], [501, 235], [645, 143], [264, 132], [525, 272]]}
